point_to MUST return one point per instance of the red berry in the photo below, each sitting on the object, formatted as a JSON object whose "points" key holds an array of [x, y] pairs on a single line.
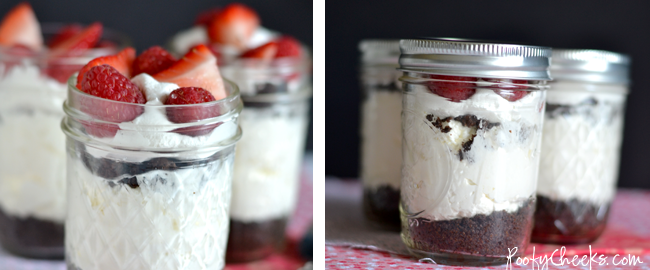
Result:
{"points": [[65, 33], [234, 25], [206, 17], [106, 82], [264, 52], [121, 61], [511, 90], [79, 43], [182, 114], [20, 26], [152, 61], [461, 88], [288, 47]]}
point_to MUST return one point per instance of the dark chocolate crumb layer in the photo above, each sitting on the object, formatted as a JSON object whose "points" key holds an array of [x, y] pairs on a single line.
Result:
{"points": [[250, 241], [480, 235], [382, 206], [468, 120], [568, 222], [31, 237]]}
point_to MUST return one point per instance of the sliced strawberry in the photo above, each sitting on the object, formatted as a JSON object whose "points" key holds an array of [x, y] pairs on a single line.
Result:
{"points": [[65, 33], [234, 25], [461, 88], [79, 43], [198, 68], [206, 17], [152, 61], [122, 62], [511, 90], [288, 47], [264, 52], [20, 27]]}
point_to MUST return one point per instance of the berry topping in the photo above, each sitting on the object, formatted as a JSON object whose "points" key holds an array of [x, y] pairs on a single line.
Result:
{"points": [[191, 95], [511, 90], [121, 62], [152, 61], [106, 82], [461, 89], [266, 51], [65, 33], [234, 25], [288, 47], [20, 27], [206, 17], [79, 43], [198, 68]]}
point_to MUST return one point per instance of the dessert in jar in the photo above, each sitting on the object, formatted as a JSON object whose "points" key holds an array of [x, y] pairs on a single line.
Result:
{"points": [[472, 126], [272, 72], [581, 146], [32, 147], [381, 131], [150, 152]]}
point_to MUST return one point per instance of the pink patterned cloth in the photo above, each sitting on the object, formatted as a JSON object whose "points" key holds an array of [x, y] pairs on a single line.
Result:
{"points": [[353, 243]]}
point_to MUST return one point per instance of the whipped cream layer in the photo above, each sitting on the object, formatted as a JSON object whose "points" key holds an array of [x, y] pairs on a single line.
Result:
{"points": [[499, 171], [174, 219], [381, 139], [267, 163], [186, 39], [583, 133], [32, 148]]}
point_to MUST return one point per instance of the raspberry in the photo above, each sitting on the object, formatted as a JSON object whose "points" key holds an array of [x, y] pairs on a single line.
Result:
{"points": [[182, 114], [509, 89], [152, 61], [454, 91]]}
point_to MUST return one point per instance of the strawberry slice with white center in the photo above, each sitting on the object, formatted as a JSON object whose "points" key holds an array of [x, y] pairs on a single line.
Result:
{"points": [[234, 25], [20, 27], [64, 34], [198, 68], [264, 52], [78, 44], [121, 61]]}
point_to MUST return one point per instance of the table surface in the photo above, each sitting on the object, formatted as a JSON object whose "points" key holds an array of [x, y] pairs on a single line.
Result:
{"points": [[627, 235], [299, 224]]}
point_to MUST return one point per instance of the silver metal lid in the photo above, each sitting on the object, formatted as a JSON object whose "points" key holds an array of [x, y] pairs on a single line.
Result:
{"points": [[460, 57], [379, 51], [590, 66]]}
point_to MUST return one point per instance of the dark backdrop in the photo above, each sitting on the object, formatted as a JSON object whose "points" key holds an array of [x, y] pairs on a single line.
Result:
{"points": [[151, 22], [620, 26]]}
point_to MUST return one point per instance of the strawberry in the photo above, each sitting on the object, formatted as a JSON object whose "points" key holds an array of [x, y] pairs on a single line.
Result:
{"points": [[65, 33], [198, 68], [20, 27], [288, 47], [106, 82], [184, 114], [454, 91], [79, 43], [206, 17], [152, 61], [234, 25], [121, 62], [508, 89], [264, 52]]}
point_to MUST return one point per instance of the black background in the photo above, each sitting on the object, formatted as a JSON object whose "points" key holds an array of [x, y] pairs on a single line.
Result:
{"points": [[620, 26], [150, 23]]}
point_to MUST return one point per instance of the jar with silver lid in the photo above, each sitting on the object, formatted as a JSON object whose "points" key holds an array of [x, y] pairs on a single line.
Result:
{"points": [[472, 126], [583, 132], [381, 132]]}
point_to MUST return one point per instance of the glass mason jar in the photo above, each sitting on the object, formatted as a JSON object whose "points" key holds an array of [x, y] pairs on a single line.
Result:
{"points": [[472, 126], [583, 132], [32, 146], [381, 134], [276, 97], [148, 196]]}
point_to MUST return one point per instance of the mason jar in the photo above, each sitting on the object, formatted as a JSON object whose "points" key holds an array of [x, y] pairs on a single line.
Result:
{"points": [[472, 126], [276, 97], [581, 146], [381, 134], [148, 196], [32, 146]]}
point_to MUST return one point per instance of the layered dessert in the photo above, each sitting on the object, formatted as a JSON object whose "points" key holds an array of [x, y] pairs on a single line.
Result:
{"points": [[381, 131], [580, 157], [150, 161], [33, 71], [471, 155], [272, 72]]}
